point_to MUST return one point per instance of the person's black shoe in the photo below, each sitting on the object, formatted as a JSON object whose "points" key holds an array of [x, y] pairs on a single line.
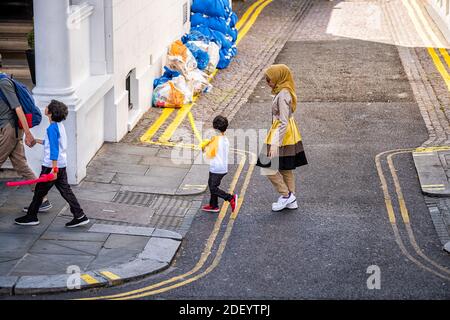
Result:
{"points": [[77, 222], [27, 221], [45, 206]]}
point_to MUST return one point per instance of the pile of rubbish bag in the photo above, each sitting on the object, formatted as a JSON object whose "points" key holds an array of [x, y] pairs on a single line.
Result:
{"points": [[191, 61]]}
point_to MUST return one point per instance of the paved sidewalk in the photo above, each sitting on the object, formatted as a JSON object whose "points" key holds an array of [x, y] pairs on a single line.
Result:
{"points": [[433, 169], [141, 202], [432, 159]]}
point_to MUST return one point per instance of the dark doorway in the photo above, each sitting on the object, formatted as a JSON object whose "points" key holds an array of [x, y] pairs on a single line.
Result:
{"points": [[13, 10]]}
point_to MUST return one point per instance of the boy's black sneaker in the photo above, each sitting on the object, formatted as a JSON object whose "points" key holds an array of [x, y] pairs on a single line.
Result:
{"points": [[27, 221], [45, 206], [77, 222]]}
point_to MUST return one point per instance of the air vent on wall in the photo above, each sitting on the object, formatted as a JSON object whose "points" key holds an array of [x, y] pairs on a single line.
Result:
{"points": [[185, 13]]}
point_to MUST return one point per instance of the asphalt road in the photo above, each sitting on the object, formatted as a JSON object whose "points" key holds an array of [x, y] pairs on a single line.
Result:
{"points": [[347, 115]]}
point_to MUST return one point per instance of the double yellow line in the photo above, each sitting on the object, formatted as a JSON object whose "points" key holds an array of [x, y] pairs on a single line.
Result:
{"points": [[430, 265], [425, 31], [243, 25], [196, 272]]}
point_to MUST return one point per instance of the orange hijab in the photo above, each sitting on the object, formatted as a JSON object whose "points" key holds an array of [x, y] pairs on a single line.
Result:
{"points": [[281, 75]]}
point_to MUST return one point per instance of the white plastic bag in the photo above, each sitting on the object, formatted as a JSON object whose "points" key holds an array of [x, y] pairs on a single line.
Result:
{"points": [[214, 57], [180, 58], [213, 51], [198, 80]]}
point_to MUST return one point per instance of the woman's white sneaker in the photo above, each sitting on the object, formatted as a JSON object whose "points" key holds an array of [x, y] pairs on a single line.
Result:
{"points": [[293, 205], [283, 202]]}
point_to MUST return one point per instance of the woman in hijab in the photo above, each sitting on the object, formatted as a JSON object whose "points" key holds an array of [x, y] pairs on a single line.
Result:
{"points": [[283, 149]]}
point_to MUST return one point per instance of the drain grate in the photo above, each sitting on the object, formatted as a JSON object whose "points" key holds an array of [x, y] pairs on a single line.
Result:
{"points": [[134, 198]]}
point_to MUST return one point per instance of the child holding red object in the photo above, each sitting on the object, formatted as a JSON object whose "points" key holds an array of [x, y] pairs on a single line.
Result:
{"points": [[217, 152], [55, 161]]}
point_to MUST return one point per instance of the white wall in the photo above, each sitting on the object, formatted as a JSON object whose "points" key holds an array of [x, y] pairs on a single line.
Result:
{"points": [[142, 31], [440, 12], [94, 56]]}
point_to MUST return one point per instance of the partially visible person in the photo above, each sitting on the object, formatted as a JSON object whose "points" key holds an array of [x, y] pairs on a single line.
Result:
{"points": [[55, 161], [217, 152], [283, 149], [11, 137]]}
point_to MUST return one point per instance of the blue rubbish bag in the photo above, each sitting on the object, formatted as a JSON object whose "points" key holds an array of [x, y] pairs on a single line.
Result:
{"points": [[233, 19], [195, 35], [200, 56], [226, 55], [215, 23], [215, 36], [212, 8], [167, 75]]}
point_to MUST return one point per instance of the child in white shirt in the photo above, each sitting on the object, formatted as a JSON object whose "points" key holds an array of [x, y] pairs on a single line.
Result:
{"points": [[217, 152]]}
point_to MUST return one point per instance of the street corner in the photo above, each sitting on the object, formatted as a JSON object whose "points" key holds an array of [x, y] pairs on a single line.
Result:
{"points": [[112, 265]]}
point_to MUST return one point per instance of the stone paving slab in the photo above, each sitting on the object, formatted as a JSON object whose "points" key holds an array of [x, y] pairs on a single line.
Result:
{"points": [[195, 181], [128, 149], [432, 173], [49, 264], [55, 283], [136, 269], [159, 233], [115, 212], [131, 242], [127, 230], [85, 236], [7, 284], [108, 258], [160, 249], [16, 244], [65, 247], [103, 166]]}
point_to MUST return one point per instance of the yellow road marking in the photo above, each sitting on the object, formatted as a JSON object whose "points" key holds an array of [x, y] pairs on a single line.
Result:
{"points": [[194, 128], [426, 33], [247, 13], [218, 255], [89, 279], [157, 124], [184, 111], [384, 187], [428, 29], [444, 54], [391, 216], [431, 149], [401, 200], [181, 115], [110, 275], [405, 214], [252, 20], [440, 66], [208, 246]]}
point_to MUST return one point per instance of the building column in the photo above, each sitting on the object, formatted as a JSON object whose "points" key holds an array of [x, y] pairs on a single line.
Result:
{"points": [[52, 46]]}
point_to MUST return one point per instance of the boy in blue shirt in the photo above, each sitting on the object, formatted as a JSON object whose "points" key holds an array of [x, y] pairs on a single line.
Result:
{"points": [[55, 161]]}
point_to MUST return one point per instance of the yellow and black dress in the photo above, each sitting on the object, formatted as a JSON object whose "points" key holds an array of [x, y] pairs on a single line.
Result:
{"points": [[285, 135]]}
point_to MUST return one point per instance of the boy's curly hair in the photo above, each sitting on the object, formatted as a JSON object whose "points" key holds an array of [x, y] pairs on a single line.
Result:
{"points": [[220, 123], [58, 110]]}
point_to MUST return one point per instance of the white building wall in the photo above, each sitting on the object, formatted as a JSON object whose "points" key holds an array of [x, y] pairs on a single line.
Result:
{"points": [[440, 12], [83, 57], [142, 31]]}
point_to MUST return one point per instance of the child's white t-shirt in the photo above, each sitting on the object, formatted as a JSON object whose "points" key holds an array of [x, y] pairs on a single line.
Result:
{"points": [[55, 145], [219, 163]]}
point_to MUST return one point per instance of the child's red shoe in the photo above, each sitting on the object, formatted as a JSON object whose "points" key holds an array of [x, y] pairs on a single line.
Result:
{"points": [[208, 208], [234, 202]]}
